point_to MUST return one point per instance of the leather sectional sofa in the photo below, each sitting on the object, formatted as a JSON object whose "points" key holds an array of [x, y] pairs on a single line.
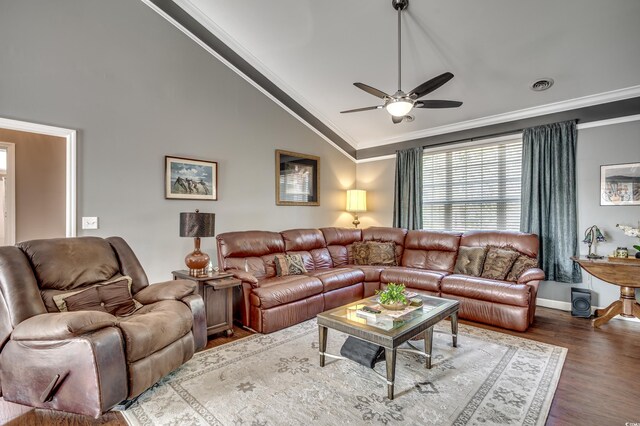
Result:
{"points": [[425, 259]]}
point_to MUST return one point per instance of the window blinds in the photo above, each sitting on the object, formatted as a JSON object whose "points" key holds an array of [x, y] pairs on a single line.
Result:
{"points": [[473, 187]]}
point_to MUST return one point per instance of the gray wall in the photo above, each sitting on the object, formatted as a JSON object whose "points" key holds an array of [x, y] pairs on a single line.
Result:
{"points": [[138, 89], [612, 144], [378, 178]]}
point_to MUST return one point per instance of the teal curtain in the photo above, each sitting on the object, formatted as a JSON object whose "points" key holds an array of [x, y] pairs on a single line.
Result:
{"points": [[549, 197], [407, 203]]}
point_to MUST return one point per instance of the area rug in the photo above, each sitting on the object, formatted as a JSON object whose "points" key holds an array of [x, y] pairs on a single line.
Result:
{"points": [[275, 379]]}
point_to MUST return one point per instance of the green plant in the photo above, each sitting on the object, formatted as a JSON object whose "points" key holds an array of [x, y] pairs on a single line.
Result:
{"points": [[637, 247], [393, 294]]}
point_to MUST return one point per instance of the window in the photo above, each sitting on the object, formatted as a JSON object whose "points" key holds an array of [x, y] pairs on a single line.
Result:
{"points": [[473, 187]]}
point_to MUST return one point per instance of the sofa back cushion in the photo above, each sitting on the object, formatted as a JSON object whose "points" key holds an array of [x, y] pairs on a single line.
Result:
{"points": [[339, 241], [68, 263], [431, 250], [384, 234], [524, 243], [310, 244], [251, 251]]}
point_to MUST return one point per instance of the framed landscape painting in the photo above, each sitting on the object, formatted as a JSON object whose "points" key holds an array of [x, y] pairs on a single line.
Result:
{"points": [[297, 179], [620, 185], [189, 179]]}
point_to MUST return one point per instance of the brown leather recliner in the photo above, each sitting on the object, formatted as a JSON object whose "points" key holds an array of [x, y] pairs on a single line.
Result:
{"points": [[88, 361]]}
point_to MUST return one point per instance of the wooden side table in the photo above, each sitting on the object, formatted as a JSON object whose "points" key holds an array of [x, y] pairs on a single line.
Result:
{"points": [[217, 292], [624, 273]]}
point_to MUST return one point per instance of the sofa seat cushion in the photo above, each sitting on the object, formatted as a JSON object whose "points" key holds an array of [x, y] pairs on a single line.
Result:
{"points": [[413, 278], [153, 327], [506, 293], [371, 272], [335, 278], [281, 290]]}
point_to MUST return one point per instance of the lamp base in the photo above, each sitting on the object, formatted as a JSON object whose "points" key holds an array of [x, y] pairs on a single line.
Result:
{"points": [[197, 261], [355, 222], [594, 256]]}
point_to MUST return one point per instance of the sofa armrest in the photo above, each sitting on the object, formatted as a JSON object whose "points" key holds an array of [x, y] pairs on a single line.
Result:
{"points": [[63, 325], [85, 375], [168, 290], [199, 328], [245, 277], [531, 274]]}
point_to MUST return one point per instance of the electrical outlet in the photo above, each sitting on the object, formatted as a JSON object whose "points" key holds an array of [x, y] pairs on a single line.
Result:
{"points": [[89, 223]]}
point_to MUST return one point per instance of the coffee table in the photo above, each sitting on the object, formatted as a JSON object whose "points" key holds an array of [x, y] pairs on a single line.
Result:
{"points": [[388, 332]]}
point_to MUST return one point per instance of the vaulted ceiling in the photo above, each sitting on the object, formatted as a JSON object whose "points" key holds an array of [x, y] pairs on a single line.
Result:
{"points": [[315, 50]]}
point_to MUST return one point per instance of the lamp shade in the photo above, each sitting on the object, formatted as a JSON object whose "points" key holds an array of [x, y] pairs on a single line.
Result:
{"points": [[197, 224], [356, 200]]}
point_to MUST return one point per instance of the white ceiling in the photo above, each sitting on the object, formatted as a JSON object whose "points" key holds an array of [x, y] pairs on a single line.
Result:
{"points": [[315, 50]]}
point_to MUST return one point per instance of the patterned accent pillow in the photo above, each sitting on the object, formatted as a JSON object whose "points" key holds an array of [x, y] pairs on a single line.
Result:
{"points": [[382, 253], [470, 261], [521, 264], [360, 252], [289, 264], [498, 262]]}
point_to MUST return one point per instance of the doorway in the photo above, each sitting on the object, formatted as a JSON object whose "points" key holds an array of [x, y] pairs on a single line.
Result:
{"points": [[67, 194], [7, 194]]}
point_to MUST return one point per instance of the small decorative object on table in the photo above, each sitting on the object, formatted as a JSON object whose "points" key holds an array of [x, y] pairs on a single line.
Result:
{"points": [[622, 252], [393, 298], [632, 232], [593, 233]]}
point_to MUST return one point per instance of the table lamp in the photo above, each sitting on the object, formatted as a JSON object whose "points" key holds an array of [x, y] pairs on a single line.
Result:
{"points": [[593, 233], [197, 225], [356, 203]]}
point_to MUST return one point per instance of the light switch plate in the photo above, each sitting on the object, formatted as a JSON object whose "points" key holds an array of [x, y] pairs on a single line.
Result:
{"points": [[89, 223]]}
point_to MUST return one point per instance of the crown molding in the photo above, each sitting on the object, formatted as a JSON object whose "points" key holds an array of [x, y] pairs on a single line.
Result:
{"points": [[585, 101]]}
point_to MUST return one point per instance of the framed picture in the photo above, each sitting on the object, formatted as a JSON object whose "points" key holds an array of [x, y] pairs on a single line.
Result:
{"points": [[189, 179], [620, 185], [297, 179]]}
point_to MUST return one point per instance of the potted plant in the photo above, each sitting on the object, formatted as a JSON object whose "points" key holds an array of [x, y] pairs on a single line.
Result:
{"points": [[393, 297]]}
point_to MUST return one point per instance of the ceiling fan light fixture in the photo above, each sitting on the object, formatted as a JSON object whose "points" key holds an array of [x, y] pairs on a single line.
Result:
{"points": [[399, 107]]}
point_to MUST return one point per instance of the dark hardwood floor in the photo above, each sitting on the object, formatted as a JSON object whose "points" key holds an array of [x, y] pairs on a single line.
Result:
{"points": [[599, 385]]}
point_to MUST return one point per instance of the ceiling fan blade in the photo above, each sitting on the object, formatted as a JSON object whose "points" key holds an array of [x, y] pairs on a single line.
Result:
{"points": [[437, 104], [431, 85], [371, 90], [361, 109], [396, 120]]}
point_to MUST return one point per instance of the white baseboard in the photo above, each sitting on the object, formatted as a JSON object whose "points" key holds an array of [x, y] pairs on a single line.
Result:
{"points": [[566, 306]]}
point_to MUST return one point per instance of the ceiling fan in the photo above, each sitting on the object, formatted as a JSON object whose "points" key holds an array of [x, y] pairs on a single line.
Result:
{"points": [[400, 103]]}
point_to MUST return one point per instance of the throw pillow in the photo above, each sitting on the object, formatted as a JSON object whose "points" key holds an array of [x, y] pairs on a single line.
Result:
{"points": [[116, 297], [360, 253], [498, 262], [382, 253], [289, 264], [470, 261], [113, 296], [84, 300], [521, 264]]}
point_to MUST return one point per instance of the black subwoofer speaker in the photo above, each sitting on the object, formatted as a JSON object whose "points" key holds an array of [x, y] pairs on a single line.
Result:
{"points": [[580, 302]]}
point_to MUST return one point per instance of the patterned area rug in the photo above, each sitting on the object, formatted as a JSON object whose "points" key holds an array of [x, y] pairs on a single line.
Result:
{"points": [[275, 379]]}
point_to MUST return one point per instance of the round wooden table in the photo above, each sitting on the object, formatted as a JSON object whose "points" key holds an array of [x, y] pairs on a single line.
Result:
{"points": [[623, 272]]}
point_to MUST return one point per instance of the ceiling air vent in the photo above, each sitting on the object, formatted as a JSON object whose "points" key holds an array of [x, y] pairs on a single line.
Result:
{"points": [[541, 84]]}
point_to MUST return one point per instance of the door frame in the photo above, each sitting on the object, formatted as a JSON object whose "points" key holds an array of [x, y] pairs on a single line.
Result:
{"points": [[10, 194], [71, 162]]}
